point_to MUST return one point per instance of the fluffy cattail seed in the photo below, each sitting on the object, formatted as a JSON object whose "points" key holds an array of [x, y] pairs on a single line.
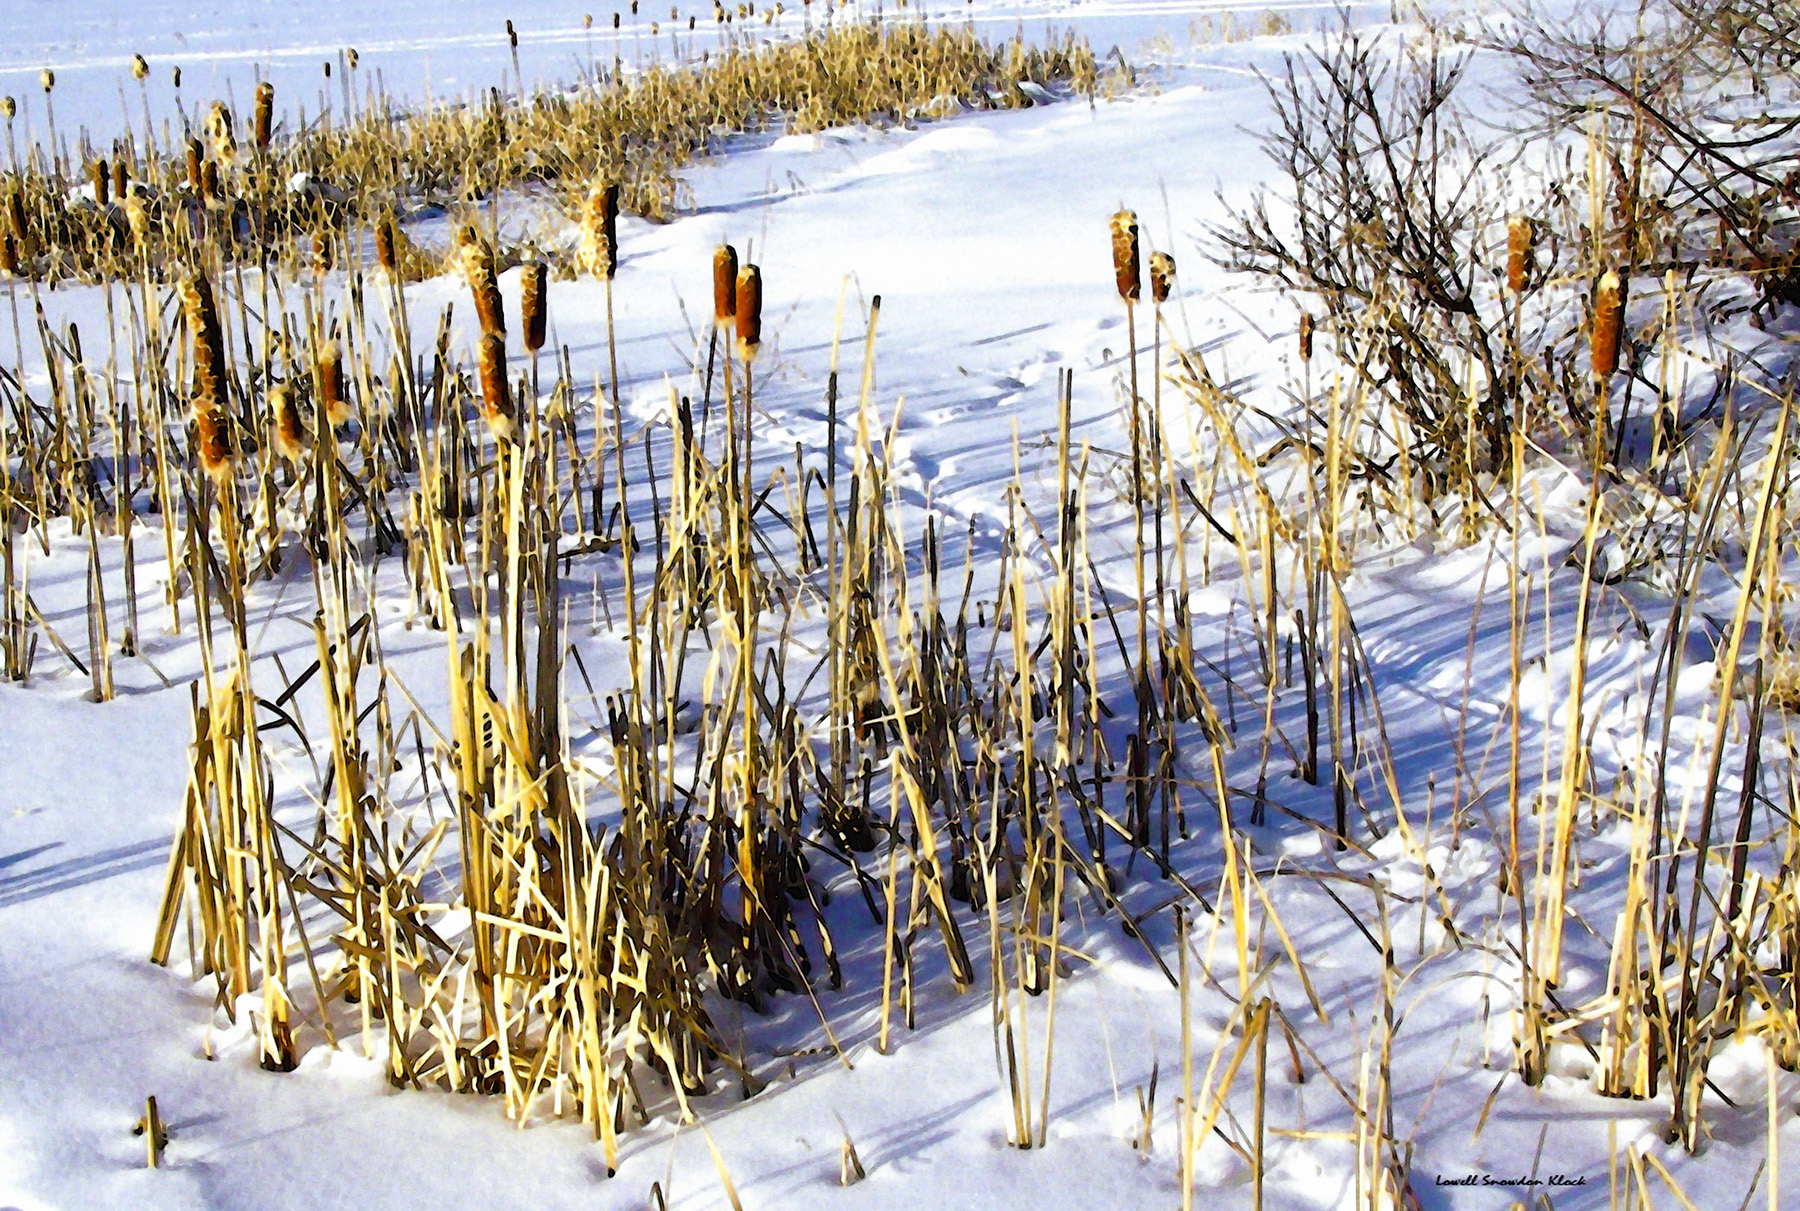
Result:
{"points": [[749, 312], [724, 284], [534, 282], [140, 67], [218, 121], [286, 434], [478, 269], [1609, 315], [102, 183], [1306, 336], [1519, 249], [1162, 276], [265, 115], [496, 396], [384, 244], [332, 398], [212, 433], [600, 231], [1125, 254]]}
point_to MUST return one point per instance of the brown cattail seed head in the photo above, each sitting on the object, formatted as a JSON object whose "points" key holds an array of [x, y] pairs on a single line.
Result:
{"points": [[15, 214], [140, 67], [212, 434], [600, 231], [209, 182], [724, 284], [102, 183], [121, 179], [478, 269], [332, 400], [286, 434], [1306, 336], [749, 312], [1125, 254], [265, 115], [534, 285], [1609, 317], [384, 244], [496, 396], [177, 75], [47, 78], [1162, 276], [1519, 249], [9, 255], [9, 107], [195, 155]]}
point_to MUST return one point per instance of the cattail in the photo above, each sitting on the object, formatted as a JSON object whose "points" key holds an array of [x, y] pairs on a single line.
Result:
{"points": [[15, 214], [265, 115], [332, 400], [1609, 314], [138, 219], [210, 190], [1306, 336], [9, 255], [384, 244], [121, 173], [286, 434], [102, 183], [1125, 254], [724, 284], [1162, 276], [1520, 248], [599, 231], [749, 312], [195, 155], [496, 397], [322, 258], [47, 78], [140, 66], [534, 282], [478, 268], [177, 75], [212, 436], [224, 138], [9, 107], [351, 57], [512, 35]]}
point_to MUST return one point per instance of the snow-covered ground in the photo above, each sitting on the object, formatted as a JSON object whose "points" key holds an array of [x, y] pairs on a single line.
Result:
{"points": [[985, 237]]}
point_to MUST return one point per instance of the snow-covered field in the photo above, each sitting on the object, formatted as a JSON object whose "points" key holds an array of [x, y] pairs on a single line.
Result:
{"points": [[985, 237]]}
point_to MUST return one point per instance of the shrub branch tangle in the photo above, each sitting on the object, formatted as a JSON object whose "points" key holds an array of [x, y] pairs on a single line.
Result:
{"points": [[1385, 238]]}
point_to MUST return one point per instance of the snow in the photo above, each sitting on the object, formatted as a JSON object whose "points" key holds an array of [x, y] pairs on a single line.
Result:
{"points": [[984, 237]]}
